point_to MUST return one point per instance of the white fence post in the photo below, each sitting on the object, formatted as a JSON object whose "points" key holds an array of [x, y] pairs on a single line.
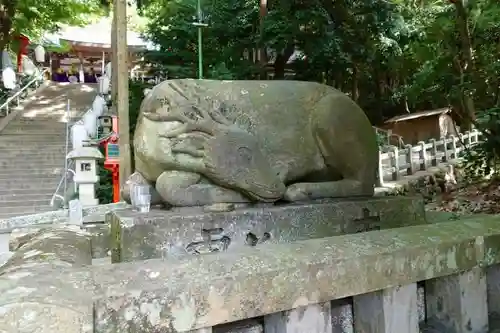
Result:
{"points": [[395, 163], [454, 153], [446, 156], [422, 156], [410, 169], [380, 178], [428, 154], [467, 140], [475, 134], [434, 152]]}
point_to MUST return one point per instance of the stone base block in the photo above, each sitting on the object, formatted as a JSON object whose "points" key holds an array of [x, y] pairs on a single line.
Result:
{"points": [[163, 233], [100, 239]]}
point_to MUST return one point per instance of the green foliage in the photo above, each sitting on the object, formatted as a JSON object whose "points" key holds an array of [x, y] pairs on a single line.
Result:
{"points": [[34, 17], [392, 57], [483, 159]]}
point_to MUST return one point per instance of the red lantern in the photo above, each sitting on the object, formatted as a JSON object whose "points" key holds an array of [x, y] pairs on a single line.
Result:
{"points": [[24, 42]]}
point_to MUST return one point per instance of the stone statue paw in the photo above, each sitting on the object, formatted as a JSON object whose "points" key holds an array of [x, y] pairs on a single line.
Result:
{"points": [[219, 207], [296, 192]]}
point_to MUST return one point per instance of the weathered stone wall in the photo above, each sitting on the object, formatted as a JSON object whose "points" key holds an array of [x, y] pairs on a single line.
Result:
{"points": [[210, 290], [36, 295], [49, 287]]}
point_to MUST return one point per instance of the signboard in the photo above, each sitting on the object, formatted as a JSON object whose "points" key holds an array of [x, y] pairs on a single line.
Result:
{"points": [[113, 151]]}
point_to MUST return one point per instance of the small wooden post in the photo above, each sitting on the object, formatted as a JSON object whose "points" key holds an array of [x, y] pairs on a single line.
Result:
{"points": [[395, 163], [434, 152], [410, 170], [422, 155]]}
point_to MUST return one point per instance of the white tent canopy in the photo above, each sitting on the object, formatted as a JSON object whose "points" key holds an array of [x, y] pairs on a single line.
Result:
{"points": [[95, 35]]}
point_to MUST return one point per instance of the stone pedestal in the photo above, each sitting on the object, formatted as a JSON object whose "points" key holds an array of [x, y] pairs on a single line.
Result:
{"points": [[187, 231]]}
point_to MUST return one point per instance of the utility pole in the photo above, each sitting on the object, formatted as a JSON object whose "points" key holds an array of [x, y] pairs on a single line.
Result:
{"points": [[120, 72], [114, 62], [200, 25]]}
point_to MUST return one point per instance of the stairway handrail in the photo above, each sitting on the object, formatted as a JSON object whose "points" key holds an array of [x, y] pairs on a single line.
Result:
{"points": [[68, 165], [20, 91]]}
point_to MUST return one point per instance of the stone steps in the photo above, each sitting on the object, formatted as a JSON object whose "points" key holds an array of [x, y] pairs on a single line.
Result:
{"points": [[30, 182], [32, 151], [10, 142], [35, 154], [45, 130], [42, 162], [21, 202], [27, 148], [30, 176], [26, 195], [10, 173], [56, 134], [48, 139]]}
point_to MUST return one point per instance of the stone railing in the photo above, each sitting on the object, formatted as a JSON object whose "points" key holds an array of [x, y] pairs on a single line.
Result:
{"points": [[403, 162], [363, 282]]}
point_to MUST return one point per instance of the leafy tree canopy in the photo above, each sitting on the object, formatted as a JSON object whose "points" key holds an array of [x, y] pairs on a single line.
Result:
{"points": [[34, 17], [392, 56]]}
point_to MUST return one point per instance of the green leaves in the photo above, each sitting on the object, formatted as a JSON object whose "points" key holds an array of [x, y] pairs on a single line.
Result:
{"points": [[389, 55], [34, 17]]}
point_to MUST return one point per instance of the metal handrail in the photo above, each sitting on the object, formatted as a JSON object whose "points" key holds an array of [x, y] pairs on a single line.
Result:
{"points": [[68, 165], [61, 182], [20, 91]]}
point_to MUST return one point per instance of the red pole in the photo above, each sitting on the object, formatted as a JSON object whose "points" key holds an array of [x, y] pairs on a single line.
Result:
{"points": [[116, 184]]}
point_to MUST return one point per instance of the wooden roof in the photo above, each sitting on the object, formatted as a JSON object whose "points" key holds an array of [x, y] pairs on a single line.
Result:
{"points": [[420, 114]]}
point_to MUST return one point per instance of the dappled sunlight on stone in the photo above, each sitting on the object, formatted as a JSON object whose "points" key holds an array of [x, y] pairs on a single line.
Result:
{"points": [[32, 170]]}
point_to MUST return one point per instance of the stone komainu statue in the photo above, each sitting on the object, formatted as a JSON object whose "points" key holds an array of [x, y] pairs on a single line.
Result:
{"points": [[200, 142]]}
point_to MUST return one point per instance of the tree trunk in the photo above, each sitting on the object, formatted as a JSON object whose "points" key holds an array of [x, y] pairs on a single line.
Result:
{"points": [[7, 12], [261, 48], [466, 66], [355, 83]]}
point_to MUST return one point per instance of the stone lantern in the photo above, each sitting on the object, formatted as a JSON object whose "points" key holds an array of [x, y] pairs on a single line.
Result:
{"points": [[99, 106], [105, 125], [104, 84], [39, 54], [108, 70], [6, 60], [86, 173], [9, 78]]}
